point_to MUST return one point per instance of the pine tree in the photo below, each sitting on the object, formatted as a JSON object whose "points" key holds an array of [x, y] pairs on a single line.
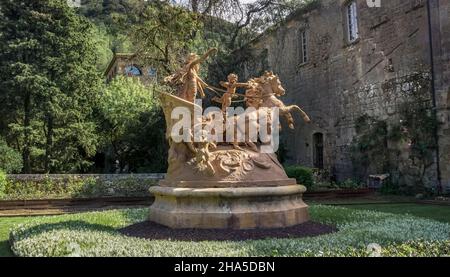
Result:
{"points": [[49, 84]]}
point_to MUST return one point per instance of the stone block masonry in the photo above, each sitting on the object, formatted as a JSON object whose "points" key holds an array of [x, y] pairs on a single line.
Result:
{"points": [[342, 81]]}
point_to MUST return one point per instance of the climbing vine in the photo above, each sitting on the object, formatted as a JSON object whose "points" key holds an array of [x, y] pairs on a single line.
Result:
{"points": [[403, 145]]}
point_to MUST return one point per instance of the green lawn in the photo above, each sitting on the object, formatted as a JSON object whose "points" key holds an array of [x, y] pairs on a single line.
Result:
{"points": [[97, 231], [439, 213], [5, 224], [101, 220]]}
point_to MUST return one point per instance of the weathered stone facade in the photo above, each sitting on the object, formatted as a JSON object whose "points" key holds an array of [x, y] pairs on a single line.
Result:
{"points": [[342, 81], [440, 30], [127, 64]]}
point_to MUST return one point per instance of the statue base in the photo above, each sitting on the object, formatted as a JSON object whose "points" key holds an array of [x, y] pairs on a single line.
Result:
{"points": [[228, 207]]}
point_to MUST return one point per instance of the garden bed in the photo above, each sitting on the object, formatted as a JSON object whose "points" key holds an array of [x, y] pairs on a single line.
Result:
{"points": [[360, 233], [154, 231], [96, 202], [79, 188], [339, 193], [146, 199]]}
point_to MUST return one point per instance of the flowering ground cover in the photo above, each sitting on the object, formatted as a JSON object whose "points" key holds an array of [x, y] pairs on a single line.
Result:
{"points": [[361, 233]]}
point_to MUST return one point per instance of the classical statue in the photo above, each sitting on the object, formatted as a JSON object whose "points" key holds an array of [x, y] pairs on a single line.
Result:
{"points": [[187, 77], [263, 92], [230, 93], [201, 159], [212, 184]]}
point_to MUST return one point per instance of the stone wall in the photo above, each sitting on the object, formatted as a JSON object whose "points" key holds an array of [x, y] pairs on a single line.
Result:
{"points": [[343, 81], [120, 61], [103, 177], [440, 24]]}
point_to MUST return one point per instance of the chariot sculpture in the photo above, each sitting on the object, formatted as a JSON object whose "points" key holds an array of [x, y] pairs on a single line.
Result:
{"points": [[226, 184]]}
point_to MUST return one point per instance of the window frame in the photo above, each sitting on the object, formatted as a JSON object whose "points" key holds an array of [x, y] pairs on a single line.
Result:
{"points": [[131, 68], [352, 22], [303, 46]]}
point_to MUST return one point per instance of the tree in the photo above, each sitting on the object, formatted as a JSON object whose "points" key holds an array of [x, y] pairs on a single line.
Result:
{"points": [[50, 84], [10, 159], [133, 126], [249, 18], [165, 35]]}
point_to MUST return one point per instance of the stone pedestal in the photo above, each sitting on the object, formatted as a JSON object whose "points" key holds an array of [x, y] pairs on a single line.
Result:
{"points": [[224, 186], [228, 206]]}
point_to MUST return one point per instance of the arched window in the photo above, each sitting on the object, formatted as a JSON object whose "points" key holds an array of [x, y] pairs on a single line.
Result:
{"points": [[132, 70], [318, 150]]}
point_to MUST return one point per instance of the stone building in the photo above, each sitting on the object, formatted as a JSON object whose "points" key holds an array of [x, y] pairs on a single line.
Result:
{"points": [[343, 61], [127, 64]]}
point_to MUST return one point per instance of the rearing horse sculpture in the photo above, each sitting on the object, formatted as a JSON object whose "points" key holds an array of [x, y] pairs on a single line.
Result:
{"points": [[263, 93]]}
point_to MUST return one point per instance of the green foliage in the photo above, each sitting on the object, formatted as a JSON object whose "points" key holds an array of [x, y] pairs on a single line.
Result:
{"points": [[370, 151], [74, 187], [350, 184], [103, 44], [123, 101], [95, 234], [382, 145], [10, 159], [133, 125], [418, 122], [165, 34], [390, 188], [50, 84], [303, 175], [3, 183], [115, 17]]}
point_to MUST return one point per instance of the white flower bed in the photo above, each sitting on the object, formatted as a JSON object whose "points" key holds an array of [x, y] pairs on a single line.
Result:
{"points": [[93, 234]]}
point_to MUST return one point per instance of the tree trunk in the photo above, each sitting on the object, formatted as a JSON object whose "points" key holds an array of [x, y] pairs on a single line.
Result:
{"points": [[194, 4], [26, 123]]}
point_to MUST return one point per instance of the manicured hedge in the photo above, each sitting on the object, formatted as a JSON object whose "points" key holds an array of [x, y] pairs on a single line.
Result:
{"points": [[3, 183], [74, 187], [303, 175], [360, 233]]}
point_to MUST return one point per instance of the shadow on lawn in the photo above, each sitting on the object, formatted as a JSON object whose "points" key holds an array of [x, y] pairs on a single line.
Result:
{"points": [[73, 225]]}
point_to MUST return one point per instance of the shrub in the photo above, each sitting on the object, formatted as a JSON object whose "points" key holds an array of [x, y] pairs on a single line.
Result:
{"points": [[350, 184], [303, 175], [75, 187], [10, 159], [3, 181], [389, 188]]}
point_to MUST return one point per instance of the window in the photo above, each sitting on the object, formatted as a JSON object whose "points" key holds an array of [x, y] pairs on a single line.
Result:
{"points": [[318, 150], [303, 46], [352, 21], [132, 70]]}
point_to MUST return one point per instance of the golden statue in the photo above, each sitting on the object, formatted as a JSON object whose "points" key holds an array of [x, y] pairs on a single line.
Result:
{"points": [[187, 77], [215, 185], [230, 93]]}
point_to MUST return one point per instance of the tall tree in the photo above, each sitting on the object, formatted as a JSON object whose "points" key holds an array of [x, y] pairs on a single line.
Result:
{"points": [[248, 17], [133, 126], [49, 80], [165, 35]]}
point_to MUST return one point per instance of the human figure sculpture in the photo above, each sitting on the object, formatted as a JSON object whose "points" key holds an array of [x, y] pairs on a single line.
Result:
{"points": [[230, 93], [215, 185], [187, 77], [203, 155], [261, 94]]}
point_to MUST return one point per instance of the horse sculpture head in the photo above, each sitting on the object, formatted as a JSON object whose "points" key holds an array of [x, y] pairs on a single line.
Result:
{"points": [[275, 83], [253, 95]]}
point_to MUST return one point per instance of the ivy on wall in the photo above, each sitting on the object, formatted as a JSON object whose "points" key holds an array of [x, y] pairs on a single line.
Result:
{"points": [[404, 145]]}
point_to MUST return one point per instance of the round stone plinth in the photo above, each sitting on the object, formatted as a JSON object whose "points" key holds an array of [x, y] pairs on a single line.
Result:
{"points": [[229, 208]]}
